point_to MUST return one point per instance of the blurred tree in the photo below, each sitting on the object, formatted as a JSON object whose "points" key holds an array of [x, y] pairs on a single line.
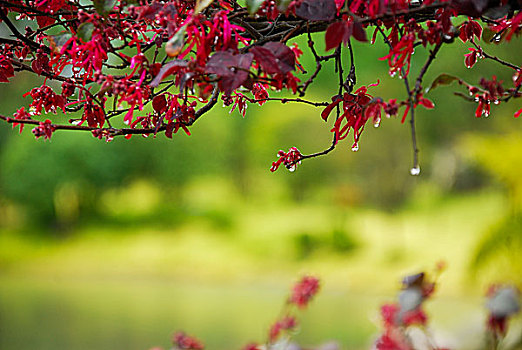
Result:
{"points": [[498, 155]]}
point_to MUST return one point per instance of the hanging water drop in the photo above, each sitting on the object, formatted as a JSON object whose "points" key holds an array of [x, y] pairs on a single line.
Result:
{"points": [[291, 168], [496, 102], [415, 171], [377, 123], [355, 147]]}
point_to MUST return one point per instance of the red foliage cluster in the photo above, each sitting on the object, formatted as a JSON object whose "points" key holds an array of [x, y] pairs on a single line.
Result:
{"points": [[289, 159], [406, 312], [503, 303], [181, 341], [398, 318], [287, 323], [159, 65], [304, 291]]}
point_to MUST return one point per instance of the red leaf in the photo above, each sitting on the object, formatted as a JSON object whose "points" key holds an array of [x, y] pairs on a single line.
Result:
{"points": [[358, 32], [326, 112], [44, 21], [284, 55], [317, 10], [167, 69], [339, 4], [335, 34], [476, 28], [221, 63], [232, 69], [159, 103], [518, 113], [405, 114], [426, 103], [471, 59], [3, 78], [37, 67], [478, 111], [266, 59], [463, 35]]}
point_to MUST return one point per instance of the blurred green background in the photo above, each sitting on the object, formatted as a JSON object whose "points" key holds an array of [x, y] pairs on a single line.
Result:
{"points": [[116, 245]]}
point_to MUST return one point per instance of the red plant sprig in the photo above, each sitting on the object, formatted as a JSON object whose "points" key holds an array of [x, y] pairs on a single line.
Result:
{"points": [[289, 159]]}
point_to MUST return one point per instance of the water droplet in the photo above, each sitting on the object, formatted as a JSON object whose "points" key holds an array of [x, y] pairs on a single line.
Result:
{"points": [[355, 147], [486, 114], [76, 122], [291, 168], [377, 123], [415, 171], [471, 93], [477, 99], [496, 102], [392, 74]]}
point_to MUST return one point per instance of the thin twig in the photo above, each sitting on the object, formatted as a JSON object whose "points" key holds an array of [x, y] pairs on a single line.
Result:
{"points": [[411, 106]]}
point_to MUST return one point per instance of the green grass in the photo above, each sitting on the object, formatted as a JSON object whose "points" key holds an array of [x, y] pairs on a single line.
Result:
{"points": [[115, 287]]}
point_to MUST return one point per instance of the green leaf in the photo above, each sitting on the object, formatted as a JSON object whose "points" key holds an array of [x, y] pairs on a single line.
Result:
{"points": [[57, 41], [201, 5], [176, 43], [487, 35], [103, 7], [282, 5], [443, 79], [254, 5], [84, 31]]}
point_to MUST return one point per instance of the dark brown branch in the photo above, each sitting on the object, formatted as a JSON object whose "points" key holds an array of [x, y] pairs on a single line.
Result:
{"points": [[286, 100], [411, 98], [19, 35], [320, 26], [418, 83], [318, 65], [494, 58], [124, 131], [29, 10], [10, 42], [339, 68], [27, 68]]}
